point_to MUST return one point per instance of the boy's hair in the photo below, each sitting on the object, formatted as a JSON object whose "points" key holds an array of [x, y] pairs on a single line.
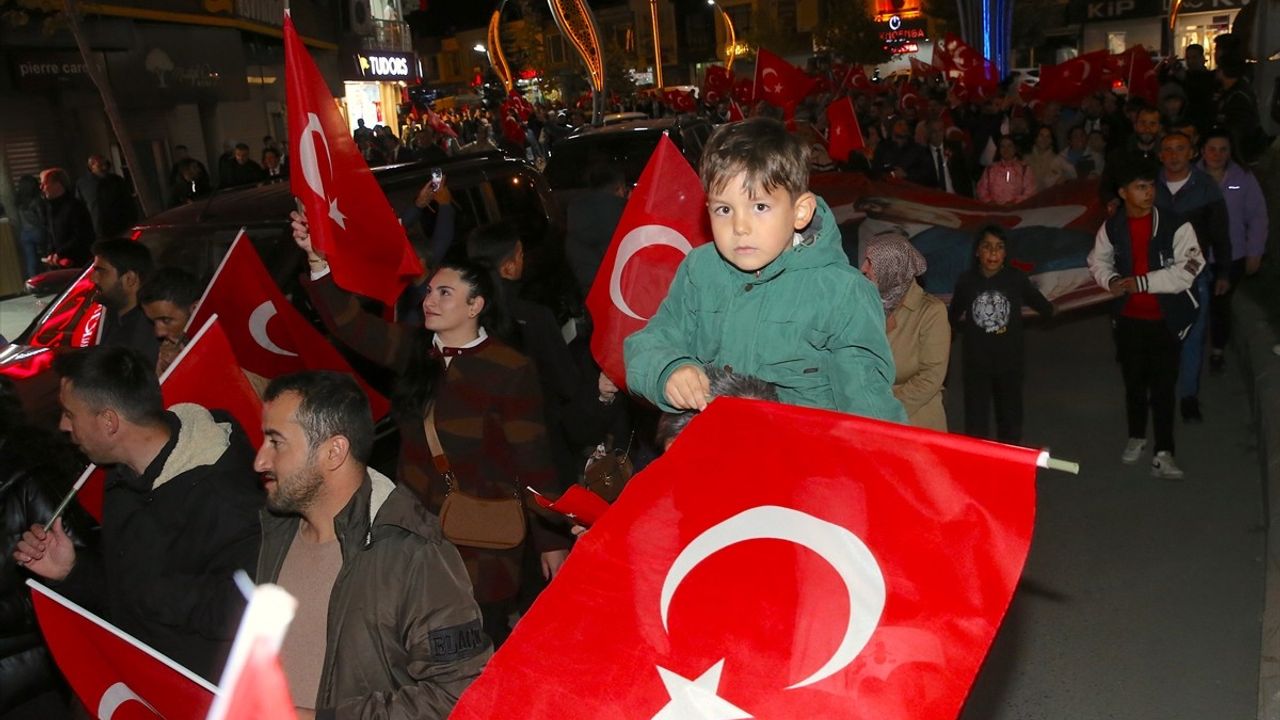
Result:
{"points": [[172, 284], [114, 377], [330, 404], [762, 148], [724, 383], [125, 256], [1136, 169]]}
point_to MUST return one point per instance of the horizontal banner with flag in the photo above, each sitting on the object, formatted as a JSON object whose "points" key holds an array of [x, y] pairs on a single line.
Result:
{"points": [[842, 568]]}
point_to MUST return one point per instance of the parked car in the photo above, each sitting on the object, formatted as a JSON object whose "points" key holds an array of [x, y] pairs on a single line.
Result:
{"points": [[626, 145], [486, 188]]}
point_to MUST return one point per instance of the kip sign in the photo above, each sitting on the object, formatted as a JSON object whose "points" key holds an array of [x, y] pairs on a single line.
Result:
{"points": [[383, 66]]}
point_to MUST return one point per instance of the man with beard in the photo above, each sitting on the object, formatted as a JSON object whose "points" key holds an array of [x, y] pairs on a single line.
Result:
{"points": [[1142, 147], [120, 267], [900, 157], [386, 623], [179, 512]]}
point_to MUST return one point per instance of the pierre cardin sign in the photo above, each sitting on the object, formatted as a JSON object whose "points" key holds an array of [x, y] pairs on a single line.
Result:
{"points": [[382, 66]]}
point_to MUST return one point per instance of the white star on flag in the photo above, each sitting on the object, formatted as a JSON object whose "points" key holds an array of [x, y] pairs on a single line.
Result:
{"points": [[697, 699], [336, 215]]}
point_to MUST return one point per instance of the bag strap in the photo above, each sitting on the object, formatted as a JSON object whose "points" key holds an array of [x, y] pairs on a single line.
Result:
{"points": [[438, 458]]}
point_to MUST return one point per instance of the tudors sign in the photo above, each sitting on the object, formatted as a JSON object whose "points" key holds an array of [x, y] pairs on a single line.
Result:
{"points": [[381, 66]]}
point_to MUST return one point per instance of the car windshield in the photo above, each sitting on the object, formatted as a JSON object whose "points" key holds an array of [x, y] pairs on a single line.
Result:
{"points": [[572, 159]]}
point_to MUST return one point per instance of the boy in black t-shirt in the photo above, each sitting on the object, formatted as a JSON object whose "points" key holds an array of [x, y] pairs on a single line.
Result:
{"points": [[986, 308]]}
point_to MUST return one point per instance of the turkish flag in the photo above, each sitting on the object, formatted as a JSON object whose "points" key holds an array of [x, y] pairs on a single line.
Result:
{"points": [[845, 136], [717, 80], [114, 675], [922, 71], [1141, 79], [744, 91], [207, 373], [909, 98], [665, 218], [842, 567], [1070, 81], [778, 82], [268, 335], [857, 80], [735, 111], [351, 221]]}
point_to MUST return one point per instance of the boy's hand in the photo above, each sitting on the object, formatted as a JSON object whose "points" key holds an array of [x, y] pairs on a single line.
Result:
{"points": [[688, 389]]}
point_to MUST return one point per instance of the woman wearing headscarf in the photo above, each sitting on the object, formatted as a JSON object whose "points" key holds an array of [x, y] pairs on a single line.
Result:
{"points": [[919, 333]]}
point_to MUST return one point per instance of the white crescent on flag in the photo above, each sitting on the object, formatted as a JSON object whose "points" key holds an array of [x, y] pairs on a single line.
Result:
{"points": [[258, 320], [632, 243]]}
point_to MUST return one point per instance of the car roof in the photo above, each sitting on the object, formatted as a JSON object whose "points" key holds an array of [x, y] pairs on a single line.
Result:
{"points": [[261, 203], [629, 126]]}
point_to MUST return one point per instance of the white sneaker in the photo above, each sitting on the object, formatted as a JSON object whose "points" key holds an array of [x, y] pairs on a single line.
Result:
{"points": [[1162, 466], [1133, 450]]}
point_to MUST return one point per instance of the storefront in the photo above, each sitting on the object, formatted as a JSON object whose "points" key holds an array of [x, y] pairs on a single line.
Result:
{"points": [[372, 84], [1201, 21], [1117, 25]]}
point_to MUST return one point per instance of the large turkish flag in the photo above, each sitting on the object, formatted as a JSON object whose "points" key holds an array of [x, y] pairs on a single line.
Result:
{"points": [[665, 218], [351, 221], [779, 562], [267, 333], [114, 675]]}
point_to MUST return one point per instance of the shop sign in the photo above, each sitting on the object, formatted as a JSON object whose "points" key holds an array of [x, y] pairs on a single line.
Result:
{"points": [[267, 12], [1095, 10], [903, 36], [180, 64], [41, 70], [382, 66], [1195, 6]]}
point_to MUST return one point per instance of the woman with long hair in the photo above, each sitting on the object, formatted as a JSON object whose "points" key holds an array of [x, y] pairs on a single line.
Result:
{"points": [[481, 396]]}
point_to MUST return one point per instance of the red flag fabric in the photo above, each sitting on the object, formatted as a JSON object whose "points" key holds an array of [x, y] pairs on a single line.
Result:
{"points": [[974, 72], [351, 221], [744, 91], [207, 373], [909, 98], [114, 675], [735, 112], [267, 333], [778, 82], [262, 692], [1068, 82], [665, 218], [717, 80], [845, 135], [865, 579], [1142, 80], [921, 70], [857, 80]]}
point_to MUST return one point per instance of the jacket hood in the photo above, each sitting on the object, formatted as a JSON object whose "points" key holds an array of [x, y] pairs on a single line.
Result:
{"points": [[202, 441]]}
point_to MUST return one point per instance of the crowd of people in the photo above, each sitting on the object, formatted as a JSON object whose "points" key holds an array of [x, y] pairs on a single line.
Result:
{"points": [[399, 611]]}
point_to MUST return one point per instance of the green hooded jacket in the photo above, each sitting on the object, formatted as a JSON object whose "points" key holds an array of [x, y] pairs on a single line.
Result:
{"points": [[808, 323]]}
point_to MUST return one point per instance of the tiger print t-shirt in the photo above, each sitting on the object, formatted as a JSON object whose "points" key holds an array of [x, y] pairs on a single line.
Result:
{"points": [[988, 313]]}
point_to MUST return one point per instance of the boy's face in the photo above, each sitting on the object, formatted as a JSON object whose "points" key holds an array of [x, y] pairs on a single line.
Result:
{"points": [[752, 229], [991, 254], [1138, 197]]}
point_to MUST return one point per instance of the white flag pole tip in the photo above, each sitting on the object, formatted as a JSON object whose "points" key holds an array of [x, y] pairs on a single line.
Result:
{"points": [[1052, 463], [66, 501]]}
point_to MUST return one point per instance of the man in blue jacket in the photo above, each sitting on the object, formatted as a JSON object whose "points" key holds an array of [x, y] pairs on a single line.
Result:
{"points": [[1197, 198]]}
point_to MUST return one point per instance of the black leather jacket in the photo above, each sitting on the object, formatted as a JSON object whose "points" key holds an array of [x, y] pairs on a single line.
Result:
{"points": [[36, 470]]}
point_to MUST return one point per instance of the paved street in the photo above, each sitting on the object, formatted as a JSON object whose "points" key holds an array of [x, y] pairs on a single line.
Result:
{"points": [[1142, 598]]}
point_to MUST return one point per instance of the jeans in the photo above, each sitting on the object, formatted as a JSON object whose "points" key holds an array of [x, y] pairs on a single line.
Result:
{"points": [[1149, 363], [1193, 343]]}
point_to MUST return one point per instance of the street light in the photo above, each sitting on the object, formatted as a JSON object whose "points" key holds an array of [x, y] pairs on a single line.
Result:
{"points": [[731, 46], [479, 48]]}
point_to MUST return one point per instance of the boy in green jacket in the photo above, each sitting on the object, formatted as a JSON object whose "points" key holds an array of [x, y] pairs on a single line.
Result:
{"points": [[774, 298]]}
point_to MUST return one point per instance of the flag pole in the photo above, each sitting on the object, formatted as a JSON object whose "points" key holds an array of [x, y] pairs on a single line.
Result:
{"points": [[1052, 463], [66, 501]]}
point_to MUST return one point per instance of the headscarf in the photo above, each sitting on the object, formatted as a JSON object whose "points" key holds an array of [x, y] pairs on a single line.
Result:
{"points": [[896, 264]]}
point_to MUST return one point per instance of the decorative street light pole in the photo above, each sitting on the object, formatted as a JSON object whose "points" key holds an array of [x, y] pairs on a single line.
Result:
{"points": [[578, 24], [657, 45], [731, 38], [987, 25]]}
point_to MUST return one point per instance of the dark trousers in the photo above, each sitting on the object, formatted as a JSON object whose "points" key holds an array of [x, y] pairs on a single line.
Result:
{"points": [[1220, 310], [1149, 355], [982, 386]]}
